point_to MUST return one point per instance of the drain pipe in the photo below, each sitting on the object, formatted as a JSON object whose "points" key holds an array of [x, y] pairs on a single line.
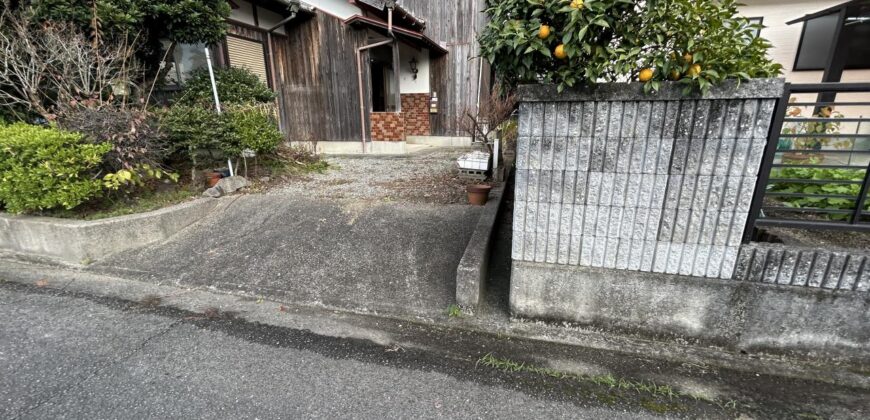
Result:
{"points": [[362, 106], [273, 68]]}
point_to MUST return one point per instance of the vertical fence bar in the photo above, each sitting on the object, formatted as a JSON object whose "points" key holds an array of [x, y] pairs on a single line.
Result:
{"points": [[767, 162], [862, 197]]}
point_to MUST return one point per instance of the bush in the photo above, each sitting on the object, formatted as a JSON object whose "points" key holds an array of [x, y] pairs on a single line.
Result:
{"points": [[235, 86], [193, 127], [252, 127], [44, 168], [135, 135], [574, 42], [240, 127]]}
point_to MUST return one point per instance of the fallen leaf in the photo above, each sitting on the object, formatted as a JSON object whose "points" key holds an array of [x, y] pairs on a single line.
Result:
{"points": [[41, 283]]}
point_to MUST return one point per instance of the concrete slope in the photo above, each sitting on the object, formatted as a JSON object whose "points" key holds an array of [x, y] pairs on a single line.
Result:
{"points": [[360, 255]]}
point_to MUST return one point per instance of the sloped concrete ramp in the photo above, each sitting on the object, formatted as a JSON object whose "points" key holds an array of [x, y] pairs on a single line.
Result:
{"points": [[362, 255]]}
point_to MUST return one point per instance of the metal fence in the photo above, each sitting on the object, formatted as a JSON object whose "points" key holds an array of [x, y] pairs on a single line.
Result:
{"points": [[816, 168]]}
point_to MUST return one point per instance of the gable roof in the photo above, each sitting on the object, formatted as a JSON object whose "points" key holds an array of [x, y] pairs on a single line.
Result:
{"points": [[413, 37]]}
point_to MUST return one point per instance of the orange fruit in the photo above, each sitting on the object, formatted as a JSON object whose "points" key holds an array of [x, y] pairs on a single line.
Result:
{"points": [[687, 57], [544, 32], [675, 75], [694, 70], [645, 75], [559, 52], [577, 4]]}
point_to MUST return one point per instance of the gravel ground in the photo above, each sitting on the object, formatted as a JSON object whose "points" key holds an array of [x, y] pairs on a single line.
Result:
{"points": [[427, 177]]}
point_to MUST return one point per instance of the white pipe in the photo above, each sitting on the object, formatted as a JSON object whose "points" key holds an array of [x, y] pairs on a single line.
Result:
{"points": [[217, 100]]}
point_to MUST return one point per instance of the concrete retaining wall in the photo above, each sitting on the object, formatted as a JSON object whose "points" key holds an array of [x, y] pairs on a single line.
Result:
{"points": [[736, 315], [612, 177], [77, 240], [472, 272], [629, 214]]}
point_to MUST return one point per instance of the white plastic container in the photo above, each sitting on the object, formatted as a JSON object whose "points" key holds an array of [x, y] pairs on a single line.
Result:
{"points": [[475, 160]]}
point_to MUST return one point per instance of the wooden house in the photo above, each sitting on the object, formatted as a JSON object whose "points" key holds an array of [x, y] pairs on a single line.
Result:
{"points": [[351, 73]]}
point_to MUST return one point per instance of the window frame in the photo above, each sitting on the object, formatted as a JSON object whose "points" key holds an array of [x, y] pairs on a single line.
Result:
{"points": [[800, 46]]}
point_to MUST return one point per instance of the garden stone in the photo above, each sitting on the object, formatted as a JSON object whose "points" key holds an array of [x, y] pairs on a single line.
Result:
{"points": [[227, 186], [213, 192]]}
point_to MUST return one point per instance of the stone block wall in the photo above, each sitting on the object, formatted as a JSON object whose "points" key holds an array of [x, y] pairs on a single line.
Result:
{"points": [[387, 126], [808, 267], [415, 109], [616, 178]]}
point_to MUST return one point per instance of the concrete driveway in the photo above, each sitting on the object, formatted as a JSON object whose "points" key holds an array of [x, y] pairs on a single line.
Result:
{"points": [[364, 244]]}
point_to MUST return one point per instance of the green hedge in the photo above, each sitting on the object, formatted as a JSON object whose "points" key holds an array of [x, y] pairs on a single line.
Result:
{"points": [[235, 86], [240, 127], [43, 168]]}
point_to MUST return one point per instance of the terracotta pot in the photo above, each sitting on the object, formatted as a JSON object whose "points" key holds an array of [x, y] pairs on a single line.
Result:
{"points": [[213, 179], [478, 194]]}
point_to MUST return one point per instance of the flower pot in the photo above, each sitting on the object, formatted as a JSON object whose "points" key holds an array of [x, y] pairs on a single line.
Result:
{"points": [[213, 179], [478, 194]]}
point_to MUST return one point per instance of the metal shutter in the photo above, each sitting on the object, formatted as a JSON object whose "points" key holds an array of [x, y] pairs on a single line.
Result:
{"points": [[248, 54]]}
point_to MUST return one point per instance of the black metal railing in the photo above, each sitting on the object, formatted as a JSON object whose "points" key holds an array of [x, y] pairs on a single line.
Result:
{"points": [[815, 172]]}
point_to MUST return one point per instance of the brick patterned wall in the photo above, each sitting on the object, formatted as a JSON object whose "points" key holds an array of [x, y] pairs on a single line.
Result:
{"points": [[415, 109], [388, 126]]}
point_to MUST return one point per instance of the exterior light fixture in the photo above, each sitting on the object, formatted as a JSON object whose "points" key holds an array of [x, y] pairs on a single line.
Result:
{"points": [[414, 67]]}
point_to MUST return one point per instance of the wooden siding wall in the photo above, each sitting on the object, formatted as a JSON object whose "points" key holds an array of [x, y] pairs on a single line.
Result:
{"points": [[454, 77], [316, 65]]}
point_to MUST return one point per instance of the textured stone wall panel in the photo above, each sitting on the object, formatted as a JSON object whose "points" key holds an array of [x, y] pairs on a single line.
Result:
{"points": [[646, 184], [805, 267]]}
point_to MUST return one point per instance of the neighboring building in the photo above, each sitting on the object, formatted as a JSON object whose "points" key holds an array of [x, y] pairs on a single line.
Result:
{"points": [[802, 33], [419, 78]]}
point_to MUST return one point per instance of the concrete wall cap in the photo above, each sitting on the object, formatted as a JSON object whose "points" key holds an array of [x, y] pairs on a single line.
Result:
{"points": [[730, 89]]}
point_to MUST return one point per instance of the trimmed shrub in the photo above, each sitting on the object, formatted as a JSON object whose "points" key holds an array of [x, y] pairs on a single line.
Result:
{"points": [[43, 168], [240, 127], [235, 86], [252, 127]]}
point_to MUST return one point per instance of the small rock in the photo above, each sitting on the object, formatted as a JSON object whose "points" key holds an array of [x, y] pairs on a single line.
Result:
{"points": [[213, 192], [232, 184], [265, 179]]}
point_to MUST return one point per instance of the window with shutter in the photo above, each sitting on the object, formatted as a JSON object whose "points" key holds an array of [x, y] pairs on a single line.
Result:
{"points": [[248, 54]]}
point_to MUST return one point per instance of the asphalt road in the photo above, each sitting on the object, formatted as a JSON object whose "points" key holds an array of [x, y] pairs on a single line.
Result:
{"points": [[67, 356]]}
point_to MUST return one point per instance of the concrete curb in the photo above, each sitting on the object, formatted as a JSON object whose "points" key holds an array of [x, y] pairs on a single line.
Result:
{"points": [[472, 271], [81, 240]]}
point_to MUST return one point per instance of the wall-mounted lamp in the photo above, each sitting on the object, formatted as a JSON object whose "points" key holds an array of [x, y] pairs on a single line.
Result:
{"points": [[414, 67]]}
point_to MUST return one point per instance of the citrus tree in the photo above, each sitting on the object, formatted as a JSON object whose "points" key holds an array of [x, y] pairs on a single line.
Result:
{"points": [[571, 42]]}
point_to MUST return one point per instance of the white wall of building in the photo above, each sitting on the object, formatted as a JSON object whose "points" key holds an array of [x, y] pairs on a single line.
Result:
{"points": [[339, 8], [785, 38], [244, 14], [267, 18], [407, 83]]}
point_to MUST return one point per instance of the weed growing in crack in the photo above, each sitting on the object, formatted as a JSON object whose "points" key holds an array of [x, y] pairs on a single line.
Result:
{"points": [[454, 311], [641, 387]]}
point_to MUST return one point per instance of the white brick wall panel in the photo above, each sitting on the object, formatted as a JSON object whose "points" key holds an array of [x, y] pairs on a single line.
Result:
{"points": [[615, 120], [586, 251], [660, 263], [534, 153]]}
